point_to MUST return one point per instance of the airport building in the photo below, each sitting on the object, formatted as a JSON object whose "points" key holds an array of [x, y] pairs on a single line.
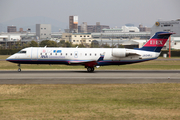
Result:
{"points": [[84, 28], [7, 40], [126, 28], [112, 30], [144, 28], [73, 24], [11, 29], [169, 26], [126, 35], [124, 38], [43, 31], [77, 38], [130, 28], [22, 31]]}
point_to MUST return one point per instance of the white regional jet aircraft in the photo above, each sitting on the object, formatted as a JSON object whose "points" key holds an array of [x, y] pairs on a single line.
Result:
{"points": [[91, 57]]}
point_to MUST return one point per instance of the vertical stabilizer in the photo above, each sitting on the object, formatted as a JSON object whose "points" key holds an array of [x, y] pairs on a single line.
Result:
{"points": [[156, 43]]}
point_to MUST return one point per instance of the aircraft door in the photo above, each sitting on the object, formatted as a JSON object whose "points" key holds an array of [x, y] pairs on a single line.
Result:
{"points": [[34, 53]]}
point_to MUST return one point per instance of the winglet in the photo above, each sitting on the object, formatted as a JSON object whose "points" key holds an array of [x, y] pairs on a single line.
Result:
{"points": [[101, 57]]}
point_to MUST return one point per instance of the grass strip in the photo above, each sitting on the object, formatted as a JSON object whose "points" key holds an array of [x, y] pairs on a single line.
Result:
{"points": [[114, 101]]}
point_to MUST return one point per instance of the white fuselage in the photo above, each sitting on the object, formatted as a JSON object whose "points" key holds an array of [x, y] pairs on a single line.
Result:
{"points": [[72, 56]]}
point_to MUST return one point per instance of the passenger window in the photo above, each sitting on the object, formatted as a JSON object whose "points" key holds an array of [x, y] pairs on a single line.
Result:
{"points": [[90, 54], [50, 53], [41, 54], [95, 54], [61, 53], [46, 54], [71, 54], [56, 53], [66, 54], [85, 54]]}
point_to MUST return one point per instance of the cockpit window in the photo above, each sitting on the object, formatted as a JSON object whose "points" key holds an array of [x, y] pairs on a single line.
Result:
{"points": [[22, 52]]}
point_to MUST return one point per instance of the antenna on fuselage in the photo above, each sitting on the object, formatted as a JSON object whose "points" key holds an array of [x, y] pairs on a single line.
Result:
{"points": [[76, 46], [45, 46]]}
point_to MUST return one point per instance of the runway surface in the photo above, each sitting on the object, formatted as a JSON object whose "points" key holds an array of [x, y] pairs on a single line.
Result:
{"points": [[83, 77]]}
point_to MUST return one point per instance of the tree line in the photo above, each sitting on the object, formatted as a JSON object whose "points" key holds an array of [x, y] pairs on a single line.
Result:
{"points": [[50, 43]]}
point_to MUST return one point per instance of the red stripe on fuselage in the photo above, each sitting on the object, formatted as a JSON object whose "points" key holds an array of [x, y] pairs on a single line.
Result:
{"points": [[155, 43]]}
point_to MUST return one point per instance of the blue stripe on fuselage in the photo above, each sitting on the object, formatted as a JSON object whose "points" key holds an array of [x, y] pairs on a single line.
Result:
{"points": [[100, 63]]}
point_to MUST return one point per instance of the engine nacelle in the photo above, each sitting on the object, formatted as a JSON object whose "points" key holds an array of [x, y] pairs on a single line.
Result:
{"points": [[116, 52]]}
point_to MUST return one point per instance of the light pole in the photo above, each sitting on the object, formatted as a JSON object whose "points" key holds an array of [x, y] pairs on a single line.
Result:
{"points": [[170, 47], [6, 43], [101, 39], [112, 40]]}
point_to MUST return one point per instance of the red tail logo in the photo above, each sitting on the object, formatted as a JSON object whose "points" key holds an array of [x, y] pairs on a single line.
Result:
{"points": [[155, 42]]}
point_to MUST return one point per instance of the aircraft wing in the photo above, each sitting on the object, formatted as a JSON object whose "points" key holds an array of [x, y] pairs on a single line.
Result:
{"points": [[80, 62], [89, 63]]}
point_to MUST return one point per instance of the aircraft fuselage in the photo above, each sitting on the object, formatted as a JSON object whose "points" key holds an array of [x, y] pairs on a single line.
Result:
{"points": [[77, 56]]}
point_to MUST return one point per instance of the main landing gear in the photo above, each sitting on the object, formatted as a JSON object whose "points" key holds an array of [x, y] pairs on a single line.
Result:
{"points": [[19, 65], [90, 69]]}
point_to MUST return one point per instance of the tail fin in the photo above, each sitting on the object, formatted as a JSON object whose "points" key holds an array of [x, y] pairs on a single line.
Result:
{"points": [[156, 43]]}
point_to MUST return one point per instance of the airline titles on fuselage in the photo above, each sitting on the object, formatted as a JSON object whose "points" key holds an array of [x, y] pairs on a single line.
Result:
{"points": [[51, 55]]}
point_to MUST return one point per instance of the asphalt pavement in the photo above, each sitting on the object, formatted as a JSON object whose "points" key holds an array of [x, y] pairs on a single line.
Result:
{"points": [[83, 77]]}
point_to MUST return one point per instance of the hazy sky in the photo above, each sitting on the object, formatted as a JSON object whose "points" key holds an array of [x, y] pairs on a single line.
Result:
{"points": [[108, 12]]}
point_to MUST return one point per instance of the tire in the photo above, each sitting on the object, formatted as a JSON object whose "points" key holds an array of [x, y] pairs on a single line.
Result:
{"points": [[90, 69], [19, 70]]}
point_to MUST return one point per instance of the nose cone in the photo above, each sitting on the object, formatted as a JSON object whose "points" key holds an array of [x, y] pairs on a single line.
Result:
{"points": [[10, 58], [7, 59]]}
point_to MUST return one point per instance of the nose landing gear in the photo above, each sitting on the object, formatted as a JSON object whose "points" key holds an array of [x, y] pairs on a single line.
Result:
{"points": [[19, 65]]}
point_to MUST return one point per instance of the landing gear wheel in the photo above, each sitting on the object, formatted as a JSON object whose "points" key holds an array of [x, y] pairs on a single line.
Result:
{"points": [[19, 65], [90, 69], [19, 70]]}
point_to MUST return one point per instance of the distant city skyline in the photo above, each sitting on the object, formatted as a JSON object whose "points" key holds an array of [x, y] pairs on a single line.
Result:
{"points": [[25, 13]]}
